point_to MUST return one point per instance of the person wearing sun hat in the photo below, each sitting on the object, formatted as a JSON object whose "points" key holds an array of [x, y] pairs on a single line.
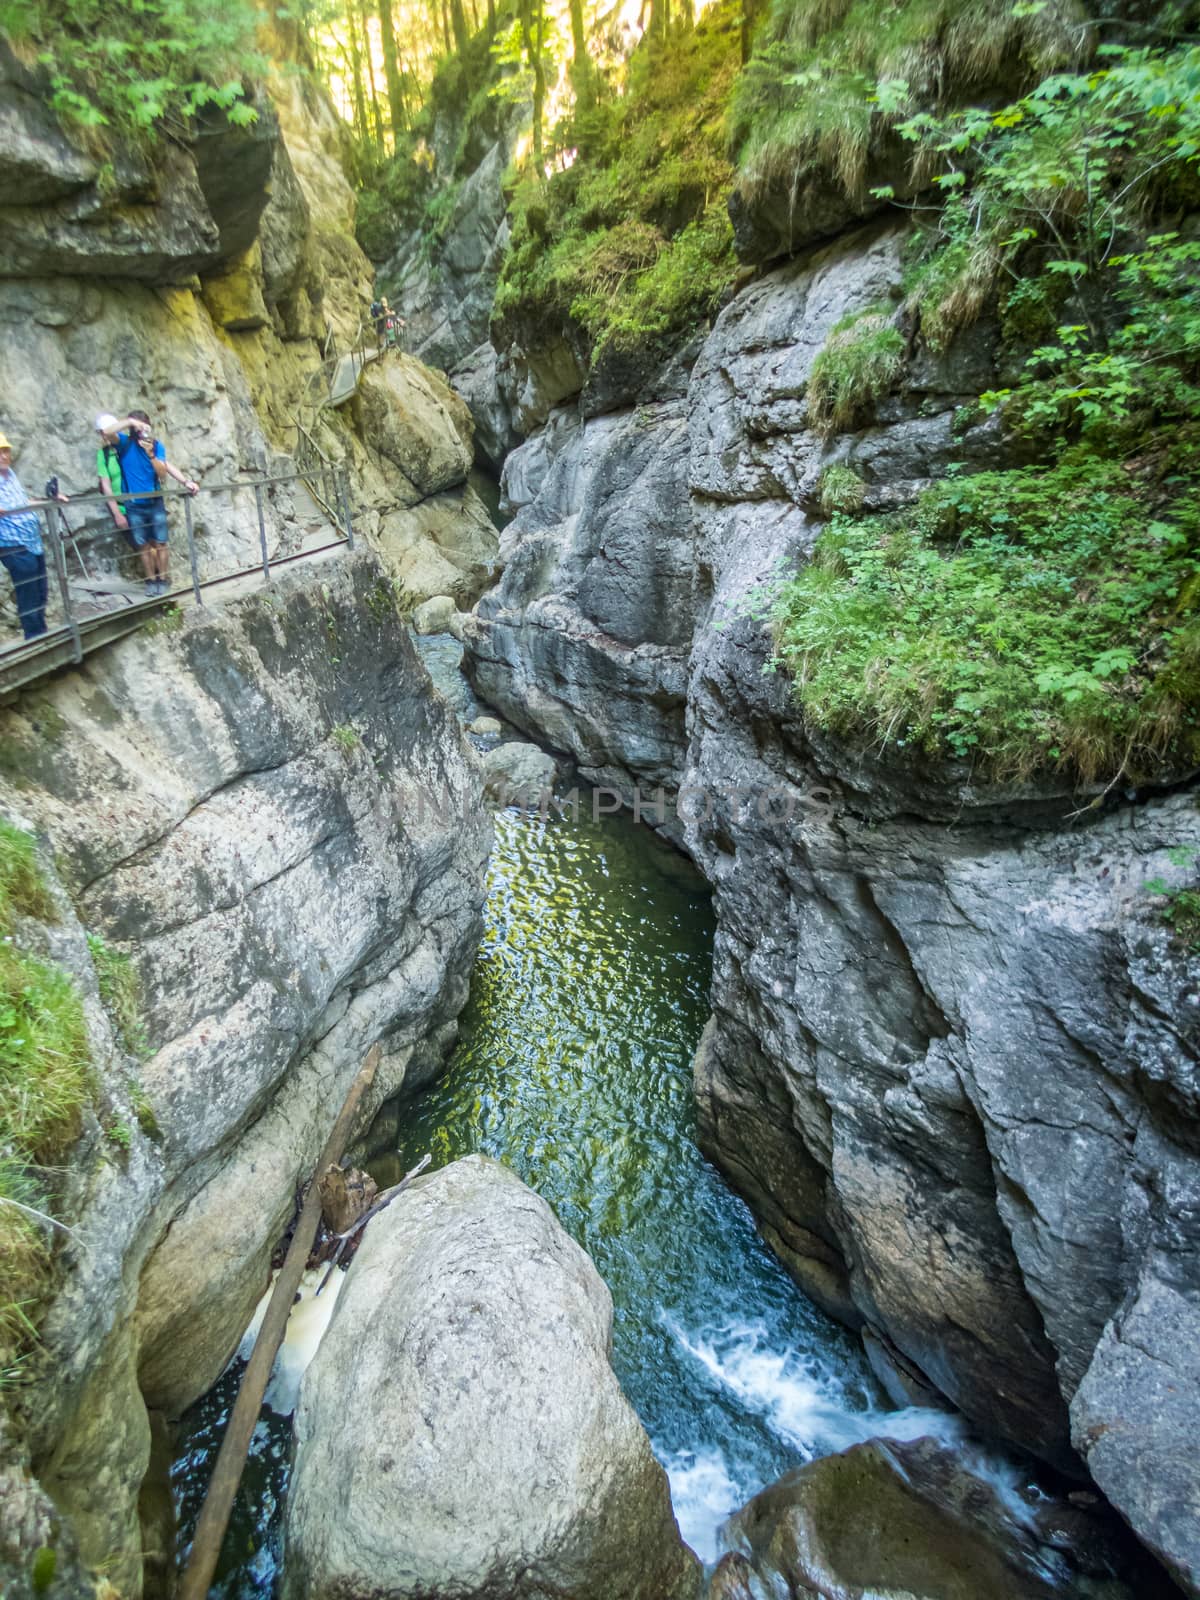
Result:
{"points": [[21, 549]]}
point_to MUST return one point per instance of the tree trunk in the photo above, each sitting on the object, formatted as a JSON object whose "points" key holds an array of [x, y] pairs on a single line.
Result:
{"points": [[750, 10], [362, 127], [539, 84], [391, 70], [458, 22], [491, 20], [368, 47], [581, 62]]}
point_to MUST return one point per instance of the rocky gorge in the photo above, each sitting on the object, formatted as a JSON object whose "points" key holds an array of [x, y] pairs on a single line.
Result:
{"points": [[952, 1057], [950, 1060]]}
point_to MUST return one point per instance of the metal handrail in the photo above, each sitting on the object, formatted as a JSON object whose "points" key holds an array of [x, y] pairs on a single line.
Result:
{"points": [[336, 504]]}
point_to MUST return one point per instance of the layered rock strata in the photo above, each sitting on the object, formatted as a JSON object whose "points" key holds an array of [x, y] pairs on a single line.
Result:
{"points": [[268, 812]]}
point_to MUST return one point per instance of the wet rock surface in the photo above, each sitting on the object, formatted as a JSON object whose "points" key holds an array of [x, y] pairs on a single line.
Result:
{"points": [[460, 1431], [891, 1518]]}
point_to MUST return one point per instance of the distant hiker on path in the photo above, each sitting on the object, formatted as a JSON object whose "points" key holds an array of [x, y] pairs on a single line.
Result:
{"points": [[21, 548], [144, 467]]}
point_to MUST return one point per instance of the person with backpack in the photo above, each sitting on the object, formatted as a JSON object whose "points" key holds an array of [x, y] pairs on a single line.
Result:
{"points": [[108, 471], [144, 467]]}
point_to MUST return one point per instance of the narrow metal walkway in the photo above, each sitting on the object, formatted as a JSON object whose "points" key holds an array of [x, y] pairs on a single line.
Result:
{"points": [[346, 373], [123, 609]]}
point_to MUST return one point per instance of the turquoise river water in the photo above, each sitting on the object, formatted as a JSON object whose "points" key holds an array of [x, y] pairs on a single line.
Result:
{"points": [[574, 1068]]}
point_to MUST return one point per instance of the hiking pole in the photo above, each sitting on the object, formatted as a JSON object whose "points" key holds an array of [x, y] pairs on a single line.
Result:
{"points": [[52, 495]]}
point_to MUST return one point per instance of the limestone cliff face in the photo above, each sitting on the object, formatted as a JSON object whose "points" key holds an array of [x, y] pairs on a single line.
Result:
{"points": [[952, 1058], [212, 293], [269, 812]]}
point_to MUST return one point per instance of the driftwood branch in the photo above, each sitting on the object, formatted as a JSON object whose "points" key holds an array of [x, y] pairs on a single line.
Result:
{"points": [[385, 1199], [214, 1514]]}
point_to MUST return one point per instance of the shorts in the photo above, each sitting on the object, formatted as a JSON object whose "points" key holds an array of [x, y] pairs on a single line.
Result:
{"points": [[147, 522]]}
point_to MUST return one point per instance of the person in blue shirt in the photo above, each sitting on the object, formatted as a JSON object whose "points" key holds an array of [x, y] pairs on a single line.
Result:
{"points": [[21, 549], [144, 467]]}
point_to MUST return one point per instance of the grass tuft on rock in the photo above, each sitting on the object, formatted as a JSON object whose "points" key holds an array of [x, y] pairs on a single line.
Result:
{"points": [[861, 359], [121, 992], [45, 1082], [805, 104], [1043, 618]]}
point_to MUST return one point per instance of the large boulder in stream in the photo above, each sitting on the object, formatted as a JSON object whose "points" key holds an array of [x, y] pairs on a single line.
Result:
{"points": [[914, 1518], [460, 1431]]}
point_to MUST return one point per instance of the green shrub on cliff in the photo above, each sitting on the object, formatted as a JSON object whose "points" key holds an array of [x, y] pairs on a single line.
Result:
{"points": [[805, 104], [1022, 620], [135, 67], [631, 242]]}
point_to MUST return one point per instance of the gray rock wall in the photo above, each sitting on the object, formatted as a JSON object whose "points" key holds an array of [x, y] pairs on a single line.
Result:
{"points": [[460, 1430], [225, 351], [236, 805], [952, 1058]]}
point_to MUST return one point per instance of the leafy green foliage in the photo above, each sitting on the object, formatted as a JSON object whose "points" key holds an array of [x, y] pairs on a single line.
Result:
{"points": [[1181, 902], [632, 241], [1024, 619], [806, 103], [1054, 190], [860, 361], [129, 68]]}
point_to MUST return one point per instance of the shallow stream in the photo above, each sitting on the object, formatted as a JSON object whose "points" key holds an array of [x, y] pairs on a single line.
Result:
{"points": [[574, 1068]]}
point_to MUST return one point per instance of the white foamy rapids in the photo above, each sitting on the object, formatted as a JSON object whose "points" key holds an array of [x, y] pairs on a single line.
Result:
{"points": [[815, 1412], [307, 1322], [702, 1495], [812, 1410]]}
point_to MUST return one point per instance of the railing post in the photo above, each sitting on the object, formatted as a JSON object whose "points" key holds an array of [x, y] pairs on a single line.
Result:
{"points": [[343, 478], [192, 558], [60, 572], [262, 532]]}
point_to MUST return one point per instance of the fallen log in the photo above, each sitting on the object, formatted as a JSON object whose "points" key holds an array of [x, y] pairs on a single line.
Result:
{"points": [[231, 1459]]}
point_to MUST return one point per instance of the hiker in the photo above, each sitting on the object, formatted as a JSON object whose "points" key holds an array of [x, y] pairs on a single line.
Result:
{"points": [[380, 315], [108, 471], [393, 325], [144, 466], [21, 548]]}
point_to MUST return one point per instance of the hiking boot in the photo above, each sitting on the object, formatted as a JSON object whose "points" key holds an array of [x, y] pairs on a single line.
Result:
{"points": [[151, 586]]}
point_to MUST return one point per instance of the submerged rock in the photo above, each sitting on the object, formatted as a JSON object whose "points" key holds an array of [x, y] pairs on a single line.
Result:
{"points": [[517, 770], [460, 1431], [913, 1519]]}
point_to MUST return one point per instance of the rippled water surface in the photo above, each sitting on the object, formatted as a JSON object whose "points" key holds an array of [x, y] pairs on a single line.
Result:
{"points": [[574, 1068]]}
